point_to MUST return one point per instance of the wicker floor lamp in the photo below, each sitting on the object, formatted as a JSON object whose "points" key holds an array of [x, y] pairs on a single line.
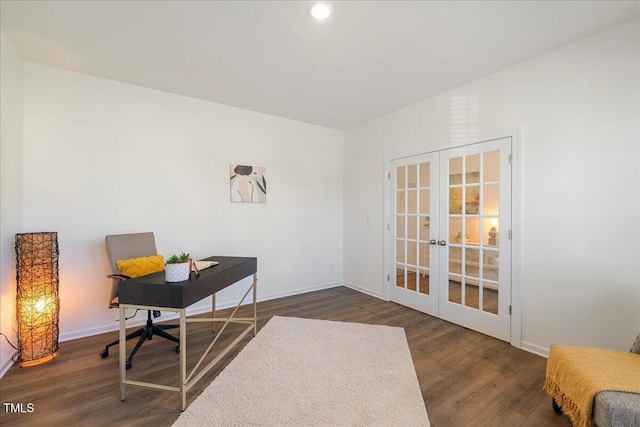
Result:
{"points": [[37, 299]]}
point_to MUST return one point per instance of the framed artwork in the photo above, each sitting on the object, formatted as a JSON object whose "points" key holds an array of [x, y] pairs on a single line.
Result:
{"points": [[472, 202], [247, 184], [471, 177]]}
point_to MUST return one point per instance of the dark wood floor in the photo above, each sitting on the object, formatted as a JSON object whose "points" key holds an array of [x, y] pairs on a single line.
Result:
{"points": [[466, 378]]}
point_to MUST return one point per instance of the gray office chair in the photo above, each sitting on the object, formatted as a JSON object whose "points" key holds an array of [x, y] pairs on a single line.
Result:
{"points": [[126, 246]]}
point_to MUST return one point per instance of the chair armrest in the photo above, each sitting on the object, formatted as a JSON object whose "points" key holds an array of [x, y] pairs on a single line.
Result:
{"points": [[635, 348], [118, 276]]}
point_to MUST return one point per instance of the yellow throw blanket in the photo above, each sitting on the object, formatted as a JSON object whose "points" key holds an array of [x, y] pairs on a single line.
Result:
{"points": [[576, 374]]}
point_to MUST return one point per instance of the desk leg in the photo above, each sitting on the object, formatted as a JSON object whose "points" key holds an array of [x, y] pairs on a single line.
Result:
{"points": [[255, 304], [183, 359], [213, 311], [122, 347]]}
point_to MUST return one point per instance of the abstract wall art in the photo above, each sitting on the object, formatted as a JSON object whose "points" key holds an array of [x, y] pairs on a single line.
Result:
{"points": [[248, 184]]}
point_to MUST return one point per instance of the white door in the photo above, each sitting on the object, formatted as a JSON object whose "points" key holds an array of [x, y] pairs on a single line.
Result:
{"points": [[413, 224], [475, 249], [450, 246]]}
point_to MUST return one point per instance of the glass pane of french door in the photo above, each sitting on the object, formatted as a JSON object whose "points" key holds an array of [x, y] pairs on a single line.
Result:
{"points": [[467, 225]]}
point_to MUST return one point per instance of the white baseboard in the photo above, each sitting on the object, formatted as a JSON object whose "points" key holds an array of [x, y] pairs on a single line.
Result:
{"points": [[198, 308], [535, 349], [7, 364], [296, 292], [364, 290]]}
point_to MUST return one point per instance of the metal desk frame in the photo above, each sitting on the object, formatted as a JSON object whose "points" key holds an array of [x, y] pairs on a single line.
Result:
{"points": [[188, 381]]}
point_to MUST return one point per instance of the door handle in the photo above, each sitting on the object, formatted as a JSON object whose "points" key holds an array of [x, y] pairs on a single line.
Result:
{"points": [[442, 243], [432, 241]]}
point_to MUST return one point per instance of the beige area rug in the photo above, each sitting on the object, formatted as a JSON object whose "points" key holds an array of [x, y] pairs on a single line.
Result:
{"points": [[302, 372]]}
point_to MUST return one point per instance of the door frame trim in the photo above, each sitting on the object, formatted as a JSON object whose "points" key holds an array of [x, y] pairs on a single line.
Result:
{"points": [[516, 217]]}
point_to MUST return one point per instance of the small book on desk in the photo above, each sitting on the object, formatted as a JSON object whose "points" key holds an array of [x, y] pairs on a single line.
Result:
{"points": [[201, 265]]}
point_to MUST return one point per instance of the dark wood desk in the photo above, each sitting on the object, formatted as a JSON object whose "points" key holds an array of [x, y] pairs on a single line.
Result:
{"points": [[152, 292]]}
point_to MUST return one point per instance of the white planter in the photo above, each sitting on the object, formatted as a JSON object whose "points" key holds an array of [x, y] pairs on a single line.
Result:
{"points": [[177, 272]]}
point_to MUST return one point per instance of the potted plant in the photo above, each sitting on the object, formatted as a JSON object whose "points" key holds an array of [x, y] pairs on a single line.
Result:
{"points": [[178, 268]]}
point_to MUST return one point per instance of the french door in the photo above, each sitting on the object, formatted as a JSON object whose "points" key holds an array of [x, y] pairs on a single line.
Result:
{"points": [[450, 254], [414, 224]]}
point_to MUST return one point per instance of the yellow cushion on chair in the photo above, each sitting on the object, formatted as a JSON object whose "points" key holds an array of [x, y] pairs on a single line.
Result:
{"points": [[134, 267]]}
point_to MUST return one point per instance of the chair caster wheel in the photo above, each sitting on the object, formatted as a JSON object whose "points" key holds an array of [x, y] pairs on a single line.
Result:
{"points": [[104, 353], [177, 349], [128, 365], [556, 408]]}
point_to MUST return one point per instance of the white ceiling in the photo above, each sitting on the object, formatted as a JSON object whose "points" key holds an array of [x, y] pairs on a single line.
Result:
{"points": [[368, 59]]}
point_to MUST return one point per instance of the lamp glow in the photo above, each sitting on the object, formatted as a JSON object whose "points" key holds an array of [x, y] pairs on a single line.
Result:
{"points": [[37, 300], [320, 11]]}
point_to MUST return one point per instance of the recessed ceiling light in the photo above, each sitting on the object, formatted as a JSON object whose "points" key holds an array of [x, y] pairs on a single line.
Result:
{"points": [[320, 11]]}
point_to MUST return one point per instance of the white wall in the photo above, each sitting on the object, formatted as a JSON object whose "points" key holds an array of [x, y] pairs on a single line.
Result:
{"points": [[11, 189], [102, 157], [578, 111]]}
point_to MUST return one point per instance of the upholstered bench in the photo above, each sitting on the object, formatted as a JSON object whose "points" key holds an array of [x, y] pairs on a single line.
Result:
{"points": [[616, 409], [610, 408]]}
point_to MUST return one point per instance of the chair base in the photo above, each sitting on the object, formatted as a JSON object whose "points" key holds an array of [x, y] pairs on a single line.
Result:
{"points": [[145, 333]]}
